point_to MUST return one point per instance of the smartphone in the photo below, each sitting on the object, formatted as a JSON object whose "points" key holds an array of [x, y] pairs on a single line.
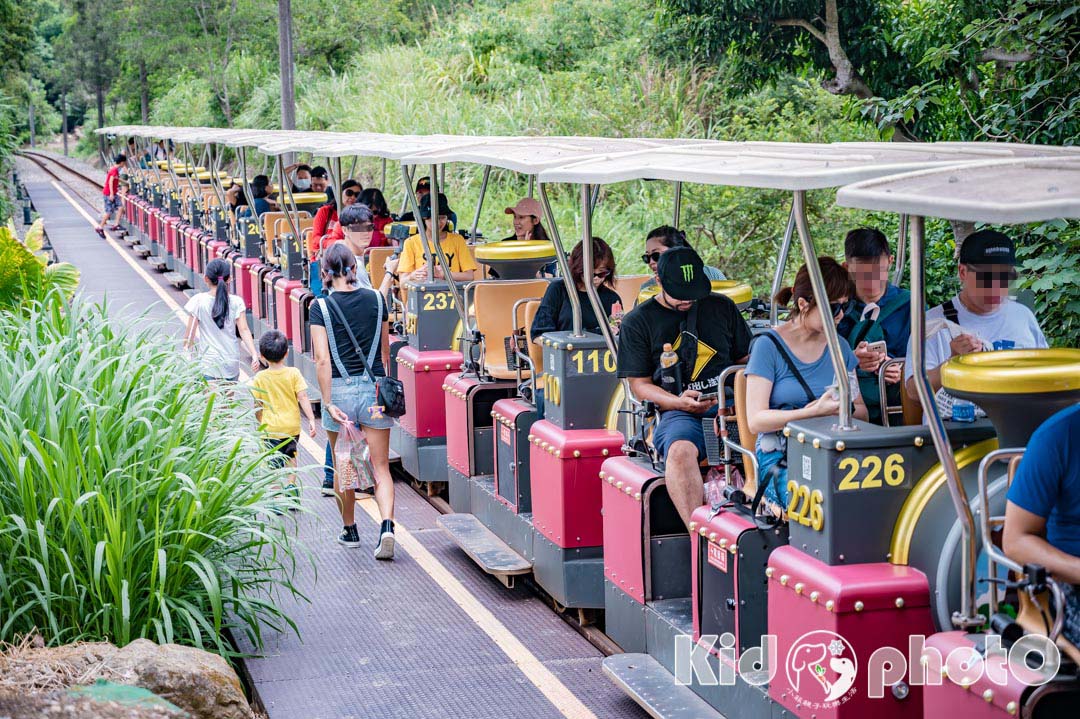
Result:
{"points": [[879, 346], [707, 396]]}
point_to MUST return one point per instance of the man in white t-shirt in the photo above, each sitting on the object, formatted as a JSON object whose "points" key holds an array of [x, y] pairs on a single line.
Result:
{"points": [[981, 317]]}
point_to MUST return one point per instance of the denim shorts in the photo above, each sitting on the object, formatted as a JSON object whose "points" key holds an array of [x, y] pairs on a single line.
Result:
{"points": [[112, 204], [776, 489], [676, 425], [355, 396]]}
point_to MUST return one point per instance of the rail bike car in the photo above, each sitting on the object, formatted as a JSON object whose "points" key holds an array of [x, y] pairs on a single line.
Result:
{"points": [[1018, 390], [860, 546]]}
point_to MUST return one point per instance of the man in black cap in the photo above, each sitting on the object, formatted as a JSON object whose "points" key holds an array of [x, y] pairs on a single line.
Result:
{"points": [[413, 262], [708, 335], [981, 317]]}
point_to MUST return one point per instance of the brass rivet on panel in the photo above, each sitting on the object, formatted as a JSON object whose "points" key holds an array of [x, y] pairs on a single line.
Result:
{"points": [[859, 606]]}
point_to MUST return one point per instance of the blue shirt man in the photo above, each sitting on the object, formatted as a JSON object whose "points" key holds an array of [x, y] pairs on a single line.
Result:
{"points": [[1042, 515]]}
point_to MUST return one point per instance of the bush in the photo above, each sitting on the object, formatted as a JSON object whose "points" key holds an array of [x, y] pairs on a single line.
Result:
{"points": [[130, 504]]}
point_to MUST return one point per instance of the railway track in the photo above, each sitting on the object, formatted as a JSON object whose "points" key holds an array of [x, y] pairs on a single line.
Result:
{"points": [[583, 621]]}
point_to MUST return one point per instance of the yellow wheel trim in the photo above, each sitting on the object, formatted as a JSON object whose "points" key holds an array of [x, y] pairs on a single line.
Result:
{"points": [[515, 250], [920, 495], [616, 405], [737, 292], [1014, 371]]}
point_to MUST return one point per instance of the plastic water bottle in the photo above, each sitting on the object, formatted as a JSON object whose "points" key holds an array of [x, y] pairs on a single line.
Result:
{"points": [[670, 376], [963, 411]]}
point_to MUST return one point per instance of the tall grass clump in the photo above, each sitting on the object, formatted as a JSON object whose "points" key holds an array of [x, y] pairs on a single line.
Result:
{"points": [[132, 503]]}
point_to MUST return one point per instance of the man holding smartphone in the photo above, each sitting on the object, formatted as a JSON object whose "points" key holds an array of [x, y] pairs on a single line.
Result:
{"points": [[708, 334], [877, 322]]}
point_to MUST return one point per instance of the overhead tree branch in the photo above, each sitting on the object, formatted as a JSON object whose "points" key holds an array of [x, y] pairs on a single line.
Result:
{"points": [[805, 25], [997, 54]]}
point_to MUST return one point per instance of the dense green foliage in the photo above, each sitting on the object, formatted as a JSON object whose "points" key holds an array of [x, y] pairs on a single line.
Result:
{"points": [[130, 506], [25, 275]]}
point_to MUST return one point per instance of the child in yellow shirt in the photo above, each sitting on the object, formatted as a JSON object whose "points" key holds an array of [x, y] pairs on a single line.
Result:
{"points": [[280, 393]]}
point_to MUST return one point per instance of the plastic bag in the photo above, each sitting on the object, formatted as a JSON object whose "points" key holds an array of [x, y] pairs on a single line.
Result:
{"points": [[352, 460]]}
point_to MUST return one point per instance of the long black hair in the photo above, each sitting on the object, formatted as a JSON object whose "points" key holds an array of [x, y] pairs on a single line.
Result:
{"points": [[669, 236], [218, 272], [338, 261], [373, 198]]}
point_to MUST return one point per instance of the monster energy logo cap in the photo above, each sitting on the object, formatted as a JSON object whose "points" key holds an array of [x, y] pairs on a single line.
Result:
{"points": [[682, 274]]}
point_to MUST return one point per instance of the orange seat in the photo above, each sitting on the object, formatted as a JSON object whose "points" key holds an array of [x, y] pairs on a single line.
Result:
{"points": [[628, 287], [747, 439], [493, 303], [377, 257], [536, 351], [276, 224]]}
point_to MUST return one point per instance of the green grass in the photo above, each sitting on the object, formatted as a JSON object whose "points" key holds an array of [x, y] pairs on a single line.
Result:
{"points": [[130, 504]]}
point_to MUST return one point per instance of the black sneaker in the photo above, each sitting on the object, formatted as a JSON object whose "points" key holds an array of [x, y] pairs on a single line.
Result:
{"points": [[385, 548], [328, 487], [349, 536]]}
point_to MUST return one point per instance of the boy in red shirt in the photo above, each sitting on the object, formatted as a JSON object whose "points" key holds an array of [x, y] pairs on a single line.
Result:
{"points": [[112, 196]]}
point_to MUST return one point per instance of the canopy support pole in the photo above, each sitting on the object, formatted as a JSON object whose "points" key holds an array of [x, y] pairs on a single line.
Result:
{"points": [[337, 179], [480, 202], [532, 186], [967, 617], [408, 173], [250, 194], [564, 263], [290, 209], [821, 297], [781, 265], [382, 184], [901, 251], [677, 210], [213, 160], [587, 275]]}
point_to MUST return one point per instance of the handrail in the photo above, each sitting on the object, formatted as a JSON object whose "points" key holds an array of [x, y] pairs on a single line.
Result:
{"points": [[994, 556], [883, 390], [519, 355], [967, 617], [720, 382]]}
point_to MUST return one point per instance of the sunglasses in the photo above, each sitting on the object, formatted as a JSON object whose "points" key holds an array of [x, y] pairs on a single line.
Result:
{"points": [[602, 274], [989, 279], [350, 193], [367, 227], [837, 308], [650, 257]]}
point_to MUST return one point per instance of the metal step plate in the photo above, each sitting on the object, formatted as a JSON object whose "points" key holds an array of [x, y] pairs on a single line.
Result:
{"points": [[158, 262], [484, 547], [654, 689], [141, 250], [176, 279]]}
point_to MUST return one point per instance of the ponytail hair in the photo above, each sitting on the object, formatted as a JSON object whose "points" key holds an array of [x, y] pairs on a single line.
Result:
{"points": [[338, 261], [218, 272]]}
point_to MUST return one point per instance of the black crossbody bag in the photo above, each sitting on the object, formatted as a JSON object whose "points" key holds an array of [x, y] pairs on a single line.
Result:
{"points": [[389, 392]]}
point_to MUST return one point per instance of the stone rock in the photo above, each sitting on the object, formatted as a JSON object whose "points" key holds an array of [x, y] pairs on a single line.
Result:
{"points": [[198, 682], [61, 704]]}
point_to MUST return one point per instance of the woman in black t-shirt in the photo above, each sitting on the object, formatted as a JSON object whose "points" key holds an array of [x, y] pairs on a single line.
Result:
{"points": [[556, 314], [348, 391]]}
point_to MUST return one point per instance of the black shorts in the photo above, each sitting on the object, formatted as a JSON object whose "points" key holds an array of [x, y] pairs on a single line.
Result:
{"points": [[285, 446]]}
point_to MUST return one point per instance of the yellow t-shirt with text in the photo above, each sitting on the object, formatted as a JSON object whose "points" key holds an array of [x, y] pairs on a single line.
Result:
{"points": [[277, 394], [453, 246]]}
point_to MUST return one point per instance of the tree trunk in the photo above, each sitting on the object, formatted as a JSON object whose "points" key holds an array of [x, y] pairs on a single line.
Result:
{"points": [[32, 123], [64, 120], [99, 92], [144, 93], [285, 60]]}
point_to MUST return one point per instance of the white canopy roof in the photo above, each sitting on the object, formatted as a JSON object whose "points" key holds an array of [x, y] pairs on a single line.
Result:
{"points": [[391, 147], [530, 155], [780, 166], [1000, 192]]}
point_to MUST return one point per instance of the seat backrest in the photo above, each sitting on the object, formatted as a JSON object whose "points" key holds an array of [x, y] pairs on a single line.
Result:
{"points": [[494, 303], [377, 257], [746, 438], [279, 225], [536, 352], [628, 287], [912, 408], [269, 223]]}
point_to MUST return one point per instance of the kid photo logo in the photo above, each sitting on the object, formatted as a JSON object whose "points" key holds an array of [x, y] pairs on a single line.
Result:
{"points": [[821, 668]]}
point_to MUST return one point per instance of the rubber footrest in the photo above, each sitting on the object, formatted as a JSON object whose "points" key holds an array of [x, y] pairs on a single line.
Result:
{"points": [[158, 262], [141, 250], [653, 687], [176, 279], [483, 546]]}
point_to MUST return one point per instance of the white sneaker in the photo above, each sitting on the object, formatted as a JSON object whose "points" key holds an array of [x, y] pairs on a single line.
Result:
{"points": [[385, 549]]}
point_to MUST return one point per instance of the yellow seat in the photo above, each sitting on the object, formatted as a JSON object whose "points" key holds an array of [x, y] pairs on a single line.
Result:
{"points": [[494, 302], [377, 257], [738, 292], [747, 439], [274, 225], [628, 287]]}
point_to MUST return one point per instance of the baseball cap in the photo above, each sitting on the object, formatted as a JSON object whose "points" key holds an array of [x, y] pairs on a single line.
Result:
{"points": [[987, 247], [355, 214], [425, 206], [526, 206], [682, 274]]}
